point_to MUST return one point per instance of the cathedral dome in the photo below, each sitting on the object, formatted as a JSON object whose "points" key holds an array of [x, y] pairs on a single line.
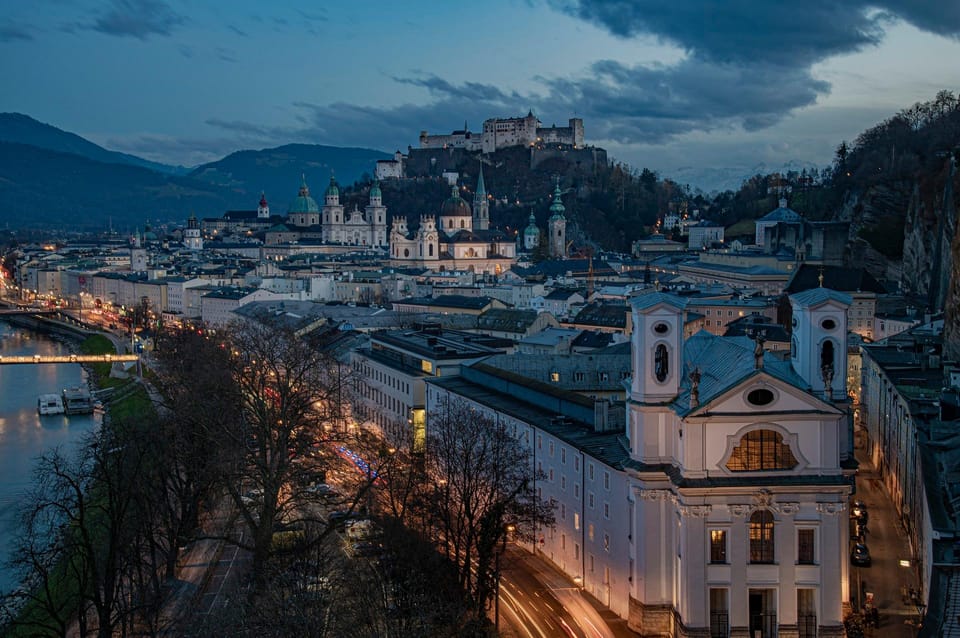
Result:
{"points": [[375, 190], [303, 202], [557, 207], [455, 206]]}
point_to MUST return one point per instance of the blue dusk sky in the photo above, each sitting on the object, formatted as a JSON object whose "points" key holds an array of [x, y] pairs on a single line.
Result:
{"points": [[693, 83]]}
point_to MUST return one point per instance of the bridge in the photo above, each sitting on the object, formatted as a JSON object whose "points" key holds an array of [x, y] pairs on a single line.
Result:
{"points": [[28, 311], [67, 358]]}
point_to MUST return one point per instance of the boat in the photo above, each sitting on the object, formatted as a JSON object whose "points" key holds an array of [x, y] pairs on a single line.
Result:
{"points": [[77, 400], [49, 404]]}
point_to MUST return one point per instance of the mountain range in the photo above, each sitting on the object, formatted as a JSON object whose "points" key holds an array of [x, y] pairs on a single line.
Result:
{"points": [[50, 177]]}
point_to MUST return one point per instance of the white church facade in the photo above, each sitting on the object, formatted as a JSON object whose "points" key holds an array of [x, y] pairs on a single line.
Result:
{"points": [[721, 507]]}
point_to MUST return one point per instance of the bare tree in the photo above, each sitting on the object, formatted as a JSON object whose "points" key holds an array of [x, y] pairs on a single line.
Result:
{"points": [[480, 489]]}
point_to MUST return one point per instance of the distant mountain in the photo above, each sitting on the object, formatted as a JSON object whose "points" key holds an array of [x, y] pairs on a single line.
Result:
{"points": [[277, 171], [719, 179], [23, 129], [43, 188]]}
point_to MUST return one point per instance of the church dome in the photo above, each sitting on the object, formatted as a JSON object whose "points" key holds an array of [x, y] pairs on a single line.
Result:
{"points": [[333, 190], [375, 190], [455, 206], [532, 227], [303, 202]]}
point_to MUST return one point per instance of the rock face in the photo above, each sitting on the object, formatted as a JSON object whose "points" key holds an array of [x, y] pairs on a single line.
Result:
{"points": [[951, 267]]}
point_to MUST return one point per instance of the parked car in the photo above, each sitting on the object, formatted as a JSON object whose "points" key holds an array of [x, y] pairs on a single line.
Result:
{"points": [[860, 555]]}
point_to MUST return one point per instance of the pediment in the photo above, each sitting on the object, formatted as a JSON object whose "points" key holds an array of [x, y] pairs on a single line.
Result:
{"points": [[762, 393]]}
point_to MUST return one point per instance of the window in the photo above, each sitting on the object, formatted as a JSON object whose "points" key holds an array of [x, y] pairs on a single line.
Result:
{"points": [[563, 456], [606, 542], [578, 376], [761, 537], [590, 531], [555, 376], [761, 450], [550, 447], [661, 364], [563, 483], [576, 520], [718, 546], [590, 500], [806, 549], [563, 512], [604, 376], [606, 510], [606, 480], [551, 475], [576, 490], [590, 471]]}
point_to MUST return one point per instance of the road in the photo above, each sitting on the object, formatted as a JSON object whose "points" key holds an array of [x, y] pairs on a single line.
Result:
{"points": [[885, 577], [537, 601]]}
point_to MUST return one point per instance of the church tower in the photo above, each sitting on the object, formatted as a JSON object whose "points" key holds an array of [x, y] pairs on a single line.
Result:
{"points": [[481, 207], [332, 213], [818, 347], [263, 209], [557, 226], [191, 236], [376, 217]]}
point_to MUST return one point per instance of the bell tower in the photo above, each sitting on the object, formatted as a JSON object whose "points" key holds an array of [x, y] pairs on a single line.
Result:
{"points": [[818, 347]]}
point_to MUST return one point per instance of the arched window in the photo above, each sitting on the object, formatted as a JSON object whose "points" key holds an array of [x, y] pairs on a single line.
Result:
{"points": [[761, 537], [430, 250], [826, 355], [761, 450], [461, 224], [661, 365]]}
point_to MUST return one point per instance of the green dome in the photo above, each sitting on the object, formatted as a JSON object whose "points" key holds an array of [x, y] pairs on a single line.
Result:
{"points": [[531, 227], [303, 202], [557, 207], [375, 189], [332, 190], [455, 206]]}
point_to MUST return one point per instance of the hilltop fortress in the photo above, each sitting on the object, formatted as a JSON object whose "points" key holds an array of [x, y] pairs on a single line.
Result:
{"points": [[512, 131]]}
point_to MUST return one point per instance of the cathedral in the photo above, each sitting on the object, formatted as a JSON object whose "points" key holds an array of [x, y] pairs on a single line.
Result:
{"points": [[458, 239]]}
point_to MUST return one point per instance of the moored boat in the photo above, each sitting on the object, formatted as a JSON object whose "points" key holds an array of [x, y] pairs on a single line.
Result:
{"points": [[49, 404]]}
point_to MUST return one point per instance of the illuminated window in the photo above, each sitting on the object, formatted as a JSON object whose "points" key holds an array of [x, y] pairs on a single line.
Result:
{"points": [[426, 366], [761, 450], [555, 376], [718, 546], [761, 537]]}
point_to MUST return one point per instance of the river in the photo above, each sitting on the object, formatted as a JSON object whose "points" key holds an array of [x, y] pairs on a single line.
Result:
{"points": [[24, 435]]}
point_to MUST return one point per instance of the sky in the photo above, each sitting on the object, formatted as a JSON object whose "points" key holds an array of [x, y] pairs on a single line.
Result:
{"points": [[686, 88]]}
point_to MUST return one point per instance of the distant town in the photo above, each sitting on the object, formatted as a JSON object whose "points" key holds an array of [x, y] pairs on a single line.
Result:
{"points": [[708, 419]]}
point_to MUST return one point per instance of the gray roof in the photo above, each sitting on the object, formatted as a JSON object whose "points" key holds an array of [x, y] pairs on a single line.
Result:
{"points": [[643, 302], [725, 362], [818, 296], [781, 214]]}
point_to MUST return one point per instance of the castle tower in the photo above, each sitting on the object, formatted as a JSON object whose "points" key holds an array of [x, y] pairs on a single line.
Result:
{"points": [[531, 235], [191, 236], [818, 347], [557, 226], [376, 216], [481, 207]]}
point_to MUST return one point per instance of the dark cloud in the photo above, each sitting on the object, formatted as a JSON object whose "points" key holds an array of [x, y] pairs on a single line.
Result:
{"points": [[795, 34], [138, 19], [10, 32], [237, 30]]}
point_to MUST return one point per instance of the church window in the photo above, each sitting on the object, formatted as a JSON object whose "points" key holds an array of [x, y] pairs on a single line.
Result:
{"points": [[559, 233], [462, 224], [760, 396], [761, 450], [661, 364], [406, 252], [828, 324], [449, 223], [761, 537], [430, 250], [662, 328], [826, 356]]}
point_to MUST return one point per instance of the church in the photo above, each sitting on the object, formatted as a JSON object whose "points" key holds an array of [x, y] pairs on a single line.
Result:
{"points": [[460, 238], [718, 504]]}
